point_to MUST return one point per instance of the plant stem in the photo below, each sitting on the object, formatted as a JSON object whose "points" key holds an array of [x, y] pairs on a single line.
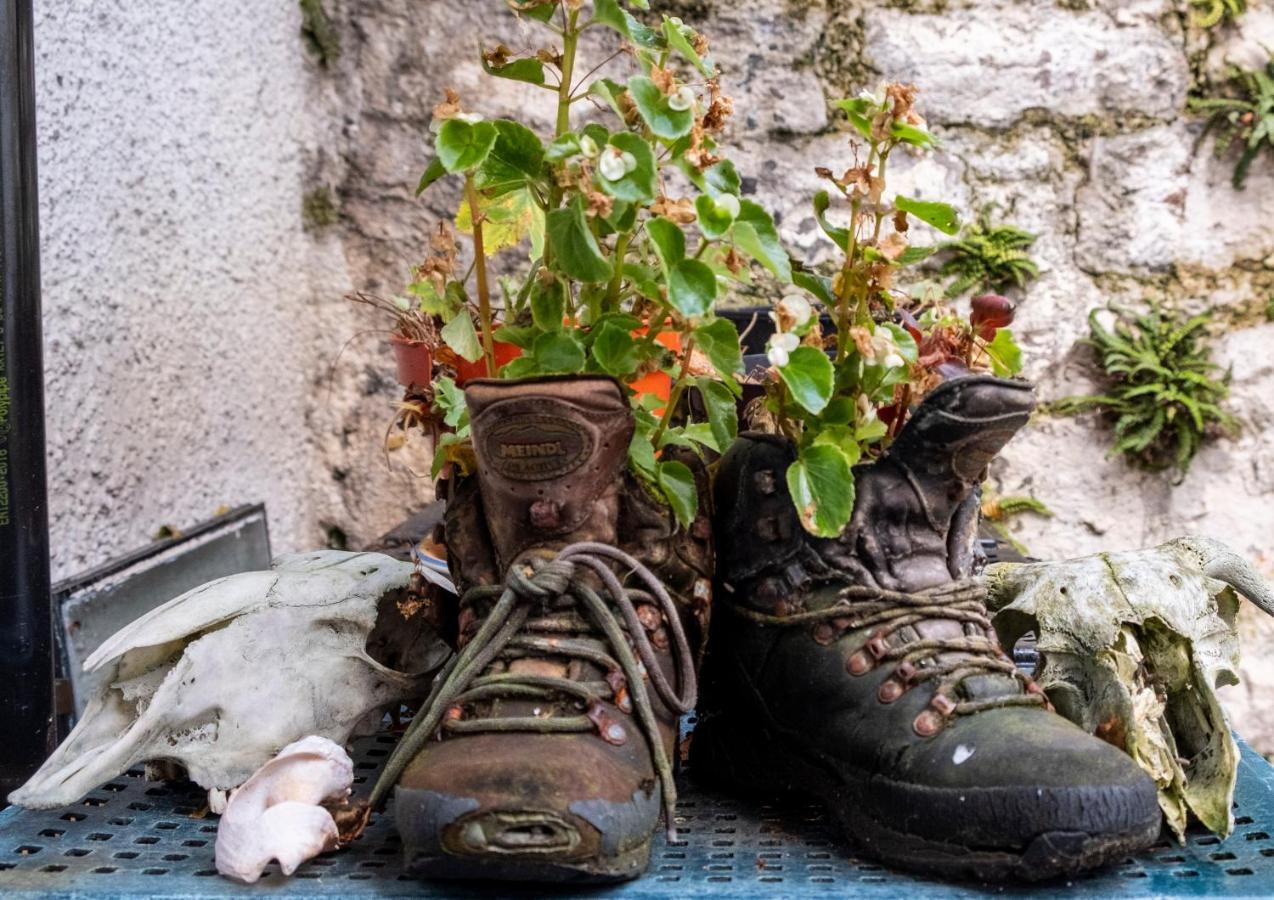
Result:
{"points": [[570, 43], [674, 396], [617, 279], [480, 263]]}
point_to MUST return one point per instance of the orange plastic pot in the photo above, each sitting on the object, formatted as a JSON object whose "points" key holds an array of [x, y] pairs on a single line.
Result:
{"points": [[657, 384], [415, 361], [504, 354]]}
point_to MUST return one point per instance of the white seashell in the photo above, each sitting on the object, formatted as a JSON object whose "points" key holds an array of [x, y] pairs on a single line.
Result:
{"points": [[276, 813]]}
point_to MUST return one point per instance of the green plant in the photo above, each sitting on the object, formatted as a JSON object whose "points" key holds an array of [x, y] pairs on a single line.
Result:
{"points": [[988, 257], [1163, 392], [997, 510], [845, 398], [1208, 13], [1245, 118], [624, 270], [319, 32]]}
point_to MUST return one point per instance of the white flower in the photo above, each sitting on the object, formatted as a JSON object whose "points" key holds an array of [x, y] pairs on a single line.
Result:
{"points": [[630, 162], [876, 99], [778, 357], [728, 203], [588, 147], [894, 361], [866, 411], [882, 344], [785, 341], [611, 165], [471, 118], [795, 309], [682, 100]]}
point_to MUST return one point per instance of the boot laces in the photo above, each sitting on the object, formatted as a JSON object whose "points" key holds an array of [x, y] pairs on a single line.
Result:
{"points": [[527, 620], [916, 661]]}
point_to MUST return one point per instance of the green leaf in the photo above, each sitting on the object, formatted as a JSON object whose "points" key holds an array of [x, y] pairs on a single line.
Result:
{"points": [[612, 92], [941, 216], [910, 134], [433, 172], [462, 146], [518, 335], [660, 118], [679, 37], [860, 112], [821, 483], [692, 287], [516, 158], [641, 453], [563, 148], [754, 231], [722, 178], [818, 285], [609, 13], [575, 250], [638, 186], [1006, 355], [809, 377], [615, 350], [669, 242], [913, 255], [719, 341], [461, 337], [529, 69], [450, 400], [678, 485], [644, 279], [558, 353], [839, 236], [715, 218], [548, 305], [723, 414], [542, 12]]}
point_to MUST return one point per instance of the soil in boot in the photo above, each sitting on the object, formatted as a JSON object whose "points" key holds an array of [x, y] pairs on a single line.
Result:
{"points": [[864, 669], [545, 751]]}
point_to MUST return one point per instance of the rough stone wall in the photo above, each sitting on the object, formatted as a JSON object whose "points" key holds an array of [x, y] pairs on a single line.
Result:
{"points": [[211, 191], [1068, 115]]}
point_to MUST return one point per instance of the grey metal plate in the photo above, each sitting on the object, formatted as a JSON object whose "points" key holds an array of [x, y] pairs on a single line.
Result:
{"points": [[134, 838]]}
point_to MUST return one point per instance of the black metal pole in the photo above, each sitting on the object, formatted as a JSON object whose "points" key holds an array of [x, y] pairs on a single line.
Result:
{"points": [[26, 635]]}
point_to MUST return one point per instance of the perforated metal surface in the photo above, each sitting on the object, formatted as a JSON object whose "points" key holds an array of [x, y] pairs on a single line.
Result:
{"points": [[135, 838]]}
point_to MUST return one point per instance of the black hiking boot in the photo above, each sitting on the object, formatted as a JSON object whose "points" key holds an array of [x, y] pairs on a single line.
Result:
{"points": [[864, 670]]}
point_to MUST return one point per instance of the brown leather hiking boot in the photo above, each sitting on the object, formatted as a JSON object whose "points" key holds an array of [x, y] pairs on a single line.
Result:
{"points": [[864, 669], [545, 750]]}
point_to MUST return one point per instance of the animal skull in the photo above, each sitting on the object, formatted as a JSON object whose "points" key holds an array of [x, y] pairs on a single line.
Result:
{"points": [[222, 677], [1132, 647]]}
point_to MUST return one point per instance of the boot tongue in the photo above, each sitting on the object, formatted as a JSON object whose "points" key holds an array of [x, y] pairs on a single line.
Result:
{"points": [[550, 455]]}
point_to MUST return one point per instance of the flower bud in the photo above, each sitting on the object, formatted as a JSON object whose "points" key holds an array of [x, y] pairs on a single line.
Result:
{"points": [[611, 165], [894, 361], [682, 100], [588, 147], [795, 310], [472, 118], [630, 162], [729, 204], [778, 357], [785, 341]]}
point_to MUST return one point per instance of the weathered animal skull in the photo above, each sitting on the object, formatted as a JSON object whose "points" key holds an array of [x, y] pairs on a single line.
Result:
{"points": [[1132, 647], [222, 677]]}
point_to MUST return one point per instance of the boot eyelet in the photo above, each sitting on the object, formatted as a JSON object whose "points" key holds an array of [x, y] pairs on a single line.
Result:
{"points": [[906, 671], [928, 723], [860, 663], [942, 705], [889, 691], [877, 647], [824, 633]]}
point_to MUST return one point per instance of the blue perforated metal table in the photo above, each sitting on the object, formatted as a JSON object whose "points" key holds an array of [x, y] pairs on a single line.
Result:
{"points": [[136, 838]]}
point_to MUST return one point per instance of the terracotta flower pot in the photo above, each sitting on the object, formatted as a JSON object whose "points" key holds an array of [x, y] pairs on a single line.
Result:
{"points": [[415, 361]]}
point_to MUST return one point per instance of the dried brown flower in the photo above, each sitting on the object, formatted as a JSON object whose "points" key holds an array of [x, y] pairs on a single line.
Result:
{"points": [[681, 210]]}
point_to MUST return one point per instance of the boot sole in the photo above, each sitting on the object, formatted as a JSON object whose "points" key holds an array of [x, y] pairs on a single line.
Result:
{"points": [[444, 866], [752, 764]]}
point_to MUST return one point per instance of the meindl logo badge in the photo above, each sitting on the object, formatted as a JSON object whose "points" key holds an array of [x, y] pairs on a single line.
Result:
{"points": [[536, 447]]}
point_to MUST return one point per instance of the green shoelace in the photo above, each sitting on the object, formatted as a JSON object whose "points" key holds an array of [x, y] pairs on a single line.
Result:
{"points": [[541, 600]]}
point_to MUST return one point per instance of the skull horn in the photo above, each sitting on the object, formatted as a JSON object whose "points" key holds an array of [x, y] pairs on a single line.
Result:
{"points": [[1220, 562]]}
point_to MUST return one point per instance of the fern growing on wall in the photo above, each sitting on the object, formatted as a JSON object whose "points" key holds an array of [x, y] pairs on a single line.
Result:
{"points": [[1209, 13], [1244, 118], [988, 257], [1163, 393]]}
